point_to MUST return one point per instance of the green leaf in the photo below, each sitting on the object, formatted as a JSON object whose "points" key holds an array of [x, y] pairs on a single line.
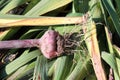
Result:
{"points": [[118, 64], [81, 70], [31, 5], [40, 69], [108, 36], [95, 10], [3, 34], [3, 3], [113, 14], [109, 59], [20, 61], [62, 67], [27, 73], [30, 33], [91, 77], [51, 69], [117, 50], [17, 73], [45, 6], [11, 16], [12, 4], [80, 6], [118, 4], [10, 33]]}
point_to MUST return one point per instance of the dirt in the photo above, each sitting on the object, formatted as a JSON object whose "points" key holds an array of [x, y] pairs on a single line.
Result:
{"points": [[67, 43]]}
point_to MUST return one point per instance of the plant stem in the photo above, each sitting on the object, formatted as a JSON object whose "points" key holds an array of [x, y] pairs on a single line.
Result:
{"points": [[19, 43], [48, 44]]}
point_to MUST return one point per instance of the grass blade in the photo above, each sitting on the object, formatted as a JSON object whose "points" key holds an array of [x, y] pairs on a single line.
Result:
{"points": [[9, 69], [110, 46], [117, 50], [62, 67], [80, 70], [43, 21], [40, 69], [93, 48], [45, 6], [109, 58], [113, 14], [118, 64], [118, 2], [12, 4], [109, 40], [31, 5], [17, 73]]}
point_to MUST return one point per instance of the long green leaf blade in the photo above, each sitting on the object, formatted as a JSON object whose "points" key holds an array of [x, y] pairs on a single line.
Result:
{"points": [[17, 63], [62, 67], [80, 70], [45, 6], [12, 4], [109, 58], [111, 10]]}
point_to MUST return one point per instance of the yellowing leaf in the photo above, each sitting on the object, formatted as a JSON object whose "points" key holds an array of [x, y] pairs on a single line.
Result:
{"points": [[92, 44], [42, 21]]}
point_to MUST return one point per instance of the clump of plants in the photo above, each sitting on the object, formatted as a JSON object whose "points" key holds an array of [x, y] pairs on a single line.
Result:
{"points": [[59, 40]]}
